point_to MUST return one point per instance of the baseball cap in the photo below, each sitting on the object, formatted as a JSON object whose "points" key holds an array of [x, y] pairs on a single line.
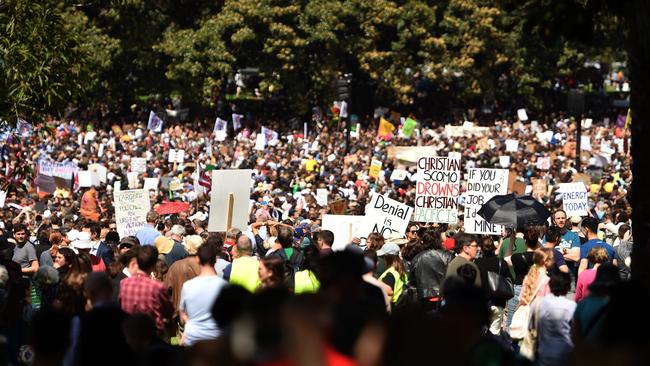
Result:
{"points": [[388, 249]]}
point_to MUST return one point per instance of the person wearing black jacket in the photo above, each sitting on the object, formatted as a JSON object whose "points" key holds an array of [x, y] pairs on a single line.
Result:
{"points": [[428, 268], [490, 262]]}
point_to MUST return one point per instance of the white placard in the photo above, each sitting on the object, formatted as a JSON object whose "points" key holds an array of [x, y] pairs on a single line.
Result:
{"points": [[131, 208], [321, 196], [483, 184], [151, 184], [345, 228], [522, 115], [504, 161], [260, 142], [574, 198], [399, 174], [176, 156], [235, 181], [512, 145], [387, 216], [139, 165], [437, 190], [88, 178], [544, 163], [132, 178], [585, 143], [101, 171], [3, 198]]}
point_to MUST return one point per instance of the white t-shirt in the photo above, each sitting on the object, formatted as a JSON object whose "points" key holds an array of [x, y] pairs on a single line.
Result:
{"points": [[197, 297]]}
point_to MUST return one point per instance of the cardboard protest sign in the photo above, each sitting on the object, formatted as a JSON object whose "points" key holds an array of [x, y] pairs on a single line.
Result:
{"points": [[375, 168], [345, 228], [235, 183], [437, 190], [512, 145], [387, 216], [139, 165], [151, 184], [131, 208], [483, 184], [574, 199], [321, 196], [531, 147], [399, 174], [543, 163], [515, 186], [409, 155]]}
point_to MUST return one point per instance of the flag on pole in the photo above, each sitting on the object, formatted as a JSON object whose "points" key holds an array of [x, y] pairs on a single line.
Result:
{"points": [[155, 124], [236, 121], [385, 129], [220, 129], [23, 128]]}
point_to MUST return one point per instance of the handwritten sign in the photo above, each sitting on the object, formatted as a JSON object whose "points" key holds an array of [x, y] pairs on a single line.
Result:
{"points": [[176, 156], [139, 165], [574, 198], [483, 184], [131, 208], [321, 197], [387, 216], [437, 190], [512, 145], [544, 163]]}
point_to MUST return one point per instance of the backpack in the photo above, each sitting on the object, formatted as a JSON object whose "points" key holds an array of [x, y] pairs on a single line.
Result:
{"points": [[291, 265]]}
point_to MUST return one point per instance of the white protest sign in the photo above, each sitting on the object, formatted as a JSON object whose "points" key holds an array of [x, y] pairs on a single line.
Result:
{"points": [[399, 174], [175, 185], [224, 182], [176, 156], [139, 165], [345, 228], [151, 184], [483, 184], [521, 114], [131, 208], [101, 172], [544, 163], [132, 178], [387, 216], [88, 179], [410, 154], [321, 196], [260, 142], [504, 161], [3, 197], [574, 198], [585, 143], [512, 145], [437, 190]]}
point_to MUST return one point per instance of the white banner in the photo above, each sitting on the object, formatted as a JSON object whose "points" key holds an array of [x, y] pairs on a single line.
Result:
{"points": [[131, 208]]}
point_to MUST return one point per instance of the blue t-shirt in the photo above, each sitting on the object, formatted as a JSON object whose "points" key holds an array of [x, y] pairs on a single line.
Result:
{"points": [[569, 240], [593, 243]]}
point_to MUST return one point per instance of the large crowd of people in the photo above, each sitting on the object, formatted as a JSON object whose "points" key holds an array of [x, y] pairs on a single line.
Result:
{"points": [[73, 292]]}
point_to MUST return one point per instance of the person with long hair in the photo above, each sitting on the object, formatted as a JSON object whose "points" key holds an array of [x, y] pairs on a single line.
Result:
{"points": [[535, 283], [596, 257], [490, 262], [70, 296], [375, 242], [394, 275], [271, 272], [520, 265], [63, 261]]}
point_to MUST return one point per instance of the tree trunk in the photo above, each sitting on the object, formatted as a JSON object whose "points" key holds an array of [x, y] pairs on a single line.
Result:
{"points": [[638, 18]]}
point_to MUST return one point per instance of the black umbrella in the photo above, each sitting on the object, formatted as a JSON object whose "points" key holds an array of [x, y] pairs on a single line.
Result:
{"points": [[513, 212]]}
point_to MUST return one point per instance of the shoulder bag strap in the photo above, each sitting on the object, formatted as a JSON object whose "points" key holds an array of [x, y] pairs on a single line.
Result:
{"points": [[542, 283]]}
